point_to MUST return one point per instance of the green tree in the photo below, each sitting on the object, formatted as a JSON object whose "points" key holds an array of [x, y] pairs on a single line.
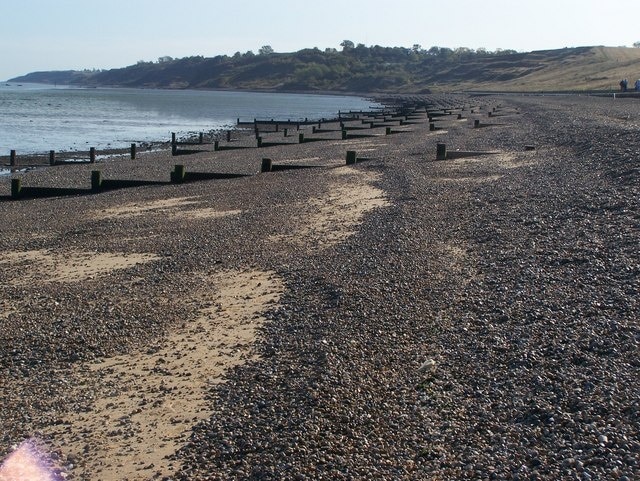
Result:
{"points": [[266, 50], [347, 45]]}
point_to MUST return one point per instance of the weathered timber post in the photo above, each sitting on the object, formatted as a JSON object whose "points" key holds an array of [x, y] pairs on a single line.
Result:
{"points": [[387, 131], [201, 138], [432, 127], [96, 180], [301, 138], [52, 157], [476, 123], [178, 174], [344, 134], [441, 151], [313, 129], [351, 157], [92, 155], [16, 188], [259, 139], [286, 132], [266, 166], [228, 136], [133, 151], [12, 157], [174, 145], [216, 145], [459, 116]]}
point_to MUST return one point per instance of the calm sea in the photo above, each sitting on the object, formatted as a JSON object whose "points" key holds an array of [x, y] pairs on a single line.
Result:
{"points": [[39, 118]]}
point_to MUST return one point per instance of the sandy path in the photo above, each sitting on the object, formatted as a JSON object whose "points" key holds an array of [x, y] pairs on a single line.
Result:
{"points": [[149, 401], [327, 220]]}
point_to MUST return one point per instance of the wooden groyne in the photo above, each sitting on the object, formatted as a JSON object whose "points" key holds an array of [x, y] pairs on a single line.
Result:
{"points": [[268, 133]]}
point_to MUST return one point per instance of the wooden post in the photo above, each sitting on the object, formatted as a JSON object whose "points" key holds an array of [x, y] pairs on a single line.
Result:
{"points": [[92, 155], [133, 151], [301, 137], [201, 138], [286, 132], [216, 145], [259, 141], [178, 174], [441, 151], [432, 127], [387, 131], [344, 135], [267, 165], [16, 188], [351, 157], [459, 116], [96, 180], [476, 123], [12, 157], [52, 157], [313, 129], [228, 136], [173, 137]]}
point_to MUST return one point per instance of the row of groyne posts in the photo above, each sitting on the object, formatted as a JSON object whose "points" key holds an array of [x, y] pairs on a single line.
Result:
{"points": [[53, 161], [404, 114]]}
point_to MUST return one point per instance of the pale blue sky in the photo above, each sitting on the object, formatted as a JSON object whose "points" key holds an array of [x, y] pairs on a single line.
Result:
{"points": [[78, 34]]}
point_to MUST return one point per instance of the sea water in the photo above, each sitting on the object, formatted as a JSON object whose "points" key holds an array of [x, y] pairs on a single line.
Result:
{"points": [[39, 118]]}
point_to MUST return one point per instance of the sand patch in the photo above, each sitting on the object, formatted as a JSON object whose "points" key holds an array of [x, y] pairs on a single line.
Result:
{"points": [[147, 403], [174, 208], [454, 259], [207, 213], [334, 217], [32, 267], [6, 309], [513, 161], [478, 179], [500, 161], [139, 208]]}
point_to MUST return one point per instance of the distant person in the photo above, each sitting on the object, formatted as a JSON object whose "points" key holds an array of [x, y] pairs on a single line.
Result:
{"points": [[624, 84]]}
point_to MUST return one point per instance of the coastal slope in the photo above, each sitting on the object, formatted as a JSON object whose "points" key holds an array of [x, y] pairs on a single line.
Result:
{"points": [[375, 69]]}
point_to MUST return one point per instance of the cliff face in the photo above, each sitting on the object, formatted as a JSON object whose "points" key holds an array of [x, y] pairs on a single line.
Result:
{"points": [[374, 69]]}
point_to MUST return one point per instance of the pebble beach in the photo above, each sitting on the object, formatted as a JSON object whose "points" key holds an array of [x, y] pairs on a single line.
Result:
{"points": [[400, 318]]}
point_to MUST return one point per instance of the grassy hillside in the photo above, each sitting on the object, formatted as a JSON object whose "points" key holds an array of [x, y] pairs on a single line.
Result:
{"points": [[377, 70], [596, 68]]}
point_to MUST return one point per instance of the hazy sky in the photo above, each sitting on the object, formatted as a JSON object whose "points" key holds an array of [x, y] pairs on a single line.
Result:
{"points": [[80, 34]]}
